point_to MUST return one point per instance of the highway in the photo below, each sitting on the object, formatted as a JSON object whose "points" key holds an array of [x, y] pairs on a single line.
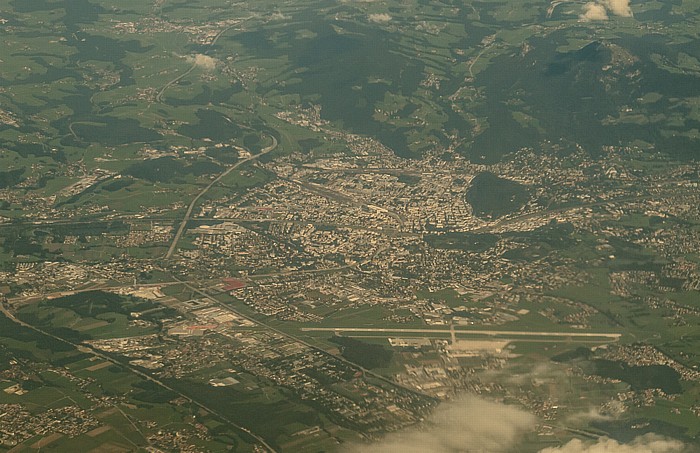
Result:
{"points": [[159, 96], [190, 208], [294, 338], [22, 300], [89, 349]]}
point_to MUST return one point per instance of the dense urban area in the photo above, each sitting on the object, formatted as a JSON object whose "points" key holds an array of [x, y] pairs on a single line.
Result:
{"points": [[328, 225]]}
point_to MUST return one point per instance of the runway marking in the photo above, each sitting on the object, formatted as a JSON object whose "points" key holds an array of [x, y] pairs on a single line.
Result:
{"points": [[471, 332]]}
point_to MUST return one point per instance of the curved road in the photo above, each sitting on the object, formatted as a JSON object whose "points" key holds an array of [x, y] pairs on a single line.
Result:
{"points": [[190, 208], [159, 96]]}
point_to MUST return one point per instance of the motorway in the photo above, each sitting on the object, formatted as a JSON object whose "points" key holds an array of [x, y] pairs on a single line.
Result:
{"points": [[89, 349], [159, 96], [23, 300], [291, 337], [190, 208]]}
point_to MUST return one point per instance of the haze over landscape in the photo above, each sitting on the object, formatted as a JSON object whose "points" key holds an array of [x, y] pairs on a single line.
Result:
{"points": [[350, 226]]}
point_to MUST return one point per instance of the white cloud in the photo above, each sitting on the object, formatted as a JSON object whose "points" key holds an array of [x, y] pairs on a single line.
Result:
{"points": [[648, 443], [587, 416], [593, 11], [466, 424], [203, 61], [599, 10], [618, 7], [379, 18], [278, 15]]}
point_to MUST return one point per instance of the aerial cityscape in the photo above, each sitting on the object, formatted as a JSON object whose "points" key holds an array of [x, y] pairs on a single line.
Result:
{"points": [[350, 226]]}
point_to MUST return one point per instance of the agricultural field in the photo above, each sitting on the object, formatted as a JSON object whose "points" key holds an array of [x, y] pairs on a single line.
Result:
{"points": [[338, 225]]}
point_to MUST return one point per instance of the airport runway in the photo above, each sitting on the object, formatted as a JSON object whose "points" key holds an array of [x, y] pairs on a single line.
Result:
{"points": [[614, 336]]}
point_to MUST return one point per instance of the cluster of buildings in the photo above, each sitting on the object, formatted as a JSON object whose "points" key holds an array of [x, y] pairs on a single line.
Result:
{"points": [[645, 355], [18, 424], [203, 34], [330, 237], [337, 388]]}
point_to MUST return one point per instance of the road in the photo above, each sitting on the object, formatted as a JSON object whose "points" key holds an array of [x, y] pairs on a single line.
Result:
{"points": [[230, 309], [339, 197], [89, 349], [614, 336], [483, 229], [14, 301], [159, 96], [379, 170], [487, 47], [132, 219], [302, 272], [190, 208]]}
